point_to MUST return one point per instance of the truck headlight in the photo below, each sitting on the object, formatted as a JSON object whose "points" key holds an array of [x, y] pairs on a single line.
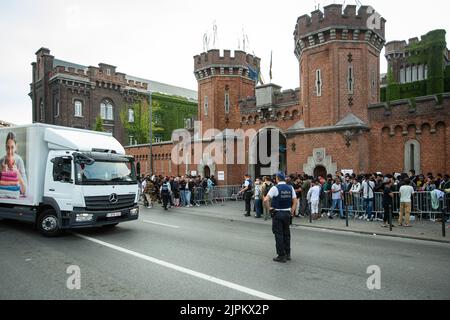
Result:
{"points": [[83, 217], [134, 211]]}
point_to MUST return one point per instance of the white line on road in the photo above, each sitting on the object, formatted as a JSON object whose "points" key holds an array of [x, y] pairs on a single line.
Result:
{"points": [[160, 224], [169, 265]]}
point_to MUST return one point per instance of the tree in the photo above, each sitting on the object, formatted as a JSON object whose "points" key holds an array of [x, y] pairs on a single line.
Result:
{"points": [[99, 124]]}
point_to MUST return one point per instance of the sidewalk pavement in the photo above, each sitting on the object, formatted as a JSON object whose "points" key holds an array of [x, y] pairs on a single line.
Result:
{"points": [[421, 230]]}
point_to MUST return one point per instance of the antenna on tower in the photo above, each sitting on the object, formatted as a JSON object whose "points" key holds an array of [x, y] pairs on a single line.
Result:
{"points": [[214, 33], [205, 42], [243, 39]]}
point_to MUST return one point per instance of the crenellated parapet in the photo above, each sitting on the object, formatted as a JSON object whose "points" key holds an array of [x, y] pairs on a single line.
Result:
{"points": [[213, 63], [336, 24]]}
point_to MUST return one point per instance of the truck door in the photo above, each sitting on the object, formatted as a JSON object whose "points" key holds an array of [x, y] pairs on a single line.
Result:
{"points": [[59, 184]]}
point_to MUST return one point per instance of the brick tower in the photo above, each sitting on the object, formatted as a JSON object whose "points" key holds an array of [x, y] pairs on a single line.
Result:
{"points": [[339, 58], [222, 82]]}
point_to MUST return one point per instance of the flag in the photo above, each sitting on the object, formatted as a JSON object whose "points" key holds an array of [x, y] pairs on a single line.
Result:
{"points": [[253, 74], [270, 71]]}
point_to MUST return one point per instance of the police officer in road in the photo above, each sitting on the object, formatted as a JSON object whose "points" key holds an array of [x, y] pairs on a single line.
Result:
{"points": [[247, 191], [165, 191], [284, 204]]}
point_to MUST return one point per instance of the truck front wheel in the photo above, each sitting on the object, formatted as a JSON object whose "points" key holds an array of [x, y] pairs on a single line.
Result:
{"points": [[48, 224]]}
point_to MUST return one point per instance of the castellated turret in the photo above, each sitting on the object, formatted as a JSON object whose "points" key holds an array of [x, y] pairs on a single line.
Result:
{"points": [[212, 63], [334, 24], [223, 79], [339, 59]]}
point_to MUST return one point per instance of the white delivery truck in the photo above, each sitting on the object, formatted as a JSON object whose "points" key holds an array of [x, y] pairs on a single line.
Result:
{"points": [[61, 178]]}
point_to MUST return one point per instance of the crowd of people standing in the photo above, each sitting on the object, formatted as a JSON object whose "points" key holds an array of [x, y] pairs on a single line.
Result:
{"points": [[180, 191], [352, 191]]}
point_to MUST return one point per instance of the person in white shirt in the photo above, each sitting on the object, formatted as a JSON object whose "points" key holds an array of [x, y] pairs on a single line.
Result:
{"points": [[313, 198], [336, 195], [368, 194], [406, 191], [355, 198]]}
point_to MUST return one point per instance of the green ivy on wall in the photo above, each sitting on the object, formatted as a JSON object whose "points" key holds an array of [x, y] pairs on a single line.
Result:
{"points": [[430, 51], [172, 113]]}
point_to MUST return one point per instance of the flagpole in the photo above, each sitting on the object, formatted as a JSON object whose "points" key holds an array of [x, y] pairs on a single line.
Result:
{"points": [[270, 71]]}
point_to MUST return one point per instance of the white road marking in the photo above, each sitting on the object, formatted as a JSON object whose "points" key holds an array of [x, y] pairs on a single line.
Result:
{"points": [[169, 265], [160, 224]]}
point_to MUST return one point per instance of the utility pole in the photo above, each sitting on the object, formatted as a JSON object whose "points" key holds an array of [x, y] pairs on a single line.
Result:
{"points": [[150, 107]]}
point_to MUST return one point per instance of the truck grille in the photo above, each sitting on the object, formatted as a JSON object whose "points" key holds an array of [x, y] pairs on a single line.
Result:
{"points": [[102, 202]]}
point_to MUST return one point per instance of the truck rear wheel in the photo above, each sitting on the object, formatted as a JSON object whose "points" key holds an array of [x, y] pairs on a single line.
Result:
{"points": [[48, 224]]}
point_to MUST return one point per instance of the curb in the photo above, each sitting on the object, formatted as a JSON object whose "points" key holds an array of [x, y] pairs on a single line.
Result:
{"points": [[377, 234]]}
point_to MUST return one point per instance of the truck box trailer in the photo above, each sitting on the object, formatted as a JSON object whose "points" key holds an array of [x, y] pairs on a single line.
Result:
{"points": [[62, 178]]}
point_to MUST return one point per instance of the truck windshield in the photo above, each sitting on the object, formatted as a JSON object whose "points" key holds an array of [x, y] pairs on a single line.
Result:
{"points": [[105, 172]]}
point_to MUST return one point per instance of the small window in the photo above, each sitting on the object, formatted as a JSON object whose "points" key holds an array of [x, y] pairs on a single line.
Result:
{"points": [[130, 140], [402, 75], [350, 80], [227, 102], [408, 74], [414, 73], [41, 111], [108, 72], [78, 109], [205, 106], [374, 83], [106, 110], [420, 72], [57, 108], [130, 115], [318, 83], [158, 139]]}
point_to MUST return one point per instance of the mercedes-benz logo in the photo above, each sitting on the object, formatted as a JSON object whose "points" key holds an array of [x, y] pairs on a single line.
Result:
{"points": [[113, 198]]}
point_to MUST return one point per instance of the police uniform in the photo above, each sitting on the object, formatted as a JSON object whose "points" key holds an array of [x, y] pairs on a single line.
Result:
{"points": [[282, 196], [165, 194]]}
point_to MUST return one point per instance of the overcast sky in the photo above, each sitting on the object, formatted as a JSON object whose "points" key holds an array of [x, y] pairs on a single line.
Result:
{"points": [[157, 39]]}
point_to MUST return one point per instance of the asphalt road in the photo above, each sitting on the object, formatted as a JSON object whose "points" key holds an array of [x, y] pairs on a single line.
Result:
{"points": [[182, 255]]}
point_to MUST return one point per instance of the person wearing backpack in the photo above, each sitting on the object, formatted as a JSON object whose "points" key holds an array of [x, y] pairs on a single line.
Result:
{"points": [[166, 192], [264, 191]]}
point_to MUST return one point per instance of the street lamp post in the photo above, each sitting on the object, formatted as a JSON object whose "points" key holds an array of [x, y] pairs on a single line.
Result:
{"points": [[150, 107]]}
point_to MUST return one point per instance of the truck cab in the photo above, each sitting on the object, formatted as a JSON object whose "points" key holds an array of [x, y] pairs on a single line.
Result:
{"points": [[88, 189]]}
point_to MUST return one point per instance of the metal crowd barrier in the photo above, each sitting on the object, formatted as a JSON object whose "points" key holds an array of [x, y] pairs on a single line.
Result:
{"points": [[221, 194], [421, 205]]}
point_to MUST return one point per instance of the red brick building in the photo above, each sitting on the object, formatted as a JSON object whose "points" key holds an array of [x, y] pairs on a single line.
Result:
{"points": [[334, 120]]}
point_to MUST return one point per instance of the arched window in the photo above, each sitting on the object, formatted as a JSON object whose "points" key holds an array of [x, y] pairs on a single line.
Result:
{"points": [[78, 106], [130, 115], [106, 110], [412, 156]]}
